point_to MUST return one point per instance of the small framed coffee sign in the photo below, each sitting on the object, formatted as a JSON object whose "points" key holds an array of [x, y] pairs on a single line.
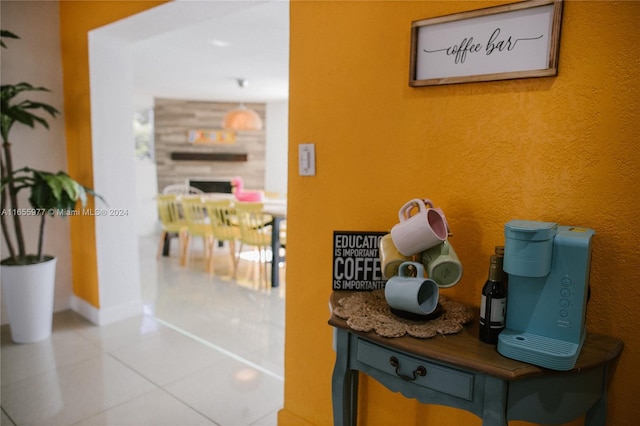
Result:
{"points": [[356, 261], [516, 40]]}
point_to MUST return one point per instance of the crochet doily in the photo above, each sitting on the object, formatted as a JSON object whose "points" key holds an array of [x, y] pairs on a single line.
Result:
{"points": [[369, 311]]}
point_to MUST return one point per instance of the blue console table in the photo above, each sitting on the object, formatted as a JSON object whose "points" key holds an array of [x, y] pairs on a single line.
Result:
{"points": [[460, 371]]}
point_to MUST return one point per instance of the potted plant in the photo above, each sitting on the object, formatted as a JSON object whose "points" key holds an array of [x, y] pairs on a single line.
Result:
{"points": [[28, 279]]}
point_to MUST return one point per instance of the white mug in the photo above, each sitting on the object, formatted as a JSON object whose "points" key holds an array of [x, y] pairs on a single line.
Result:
{"points": [[418, 230], [417, 295]]}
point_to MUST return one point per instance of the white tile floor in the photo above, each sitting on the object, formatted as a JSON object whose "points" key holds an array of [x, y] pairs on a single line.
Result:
{"points": [[207, 351]]}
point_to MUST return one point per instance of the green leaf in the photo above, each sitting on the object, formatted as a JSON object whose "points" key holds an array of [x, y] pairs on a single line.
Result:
{"points": [[69, 186], [9, 34], [21, 112], [54, 183], [6, 34]]}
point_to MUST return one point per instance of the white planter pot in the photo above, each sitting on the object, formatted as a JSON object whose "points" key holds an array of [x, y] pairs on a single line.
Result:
{"points": [[27, 291]]}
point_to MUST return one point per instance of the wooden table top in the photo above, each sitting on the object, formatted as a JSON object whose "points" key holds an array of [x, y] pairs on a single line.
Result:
{"points": [[465, 349], [273, 206], [278, 209]]}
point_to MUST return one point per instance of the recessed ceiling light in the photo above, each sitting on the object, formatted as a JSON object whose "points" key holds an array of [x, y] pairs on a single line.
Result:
{"points": [[219, 43]]}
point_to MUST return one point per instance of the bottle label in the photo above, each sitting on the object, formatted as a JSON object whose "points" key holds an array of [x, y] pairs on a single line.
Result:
{"points": [[498, 309]]}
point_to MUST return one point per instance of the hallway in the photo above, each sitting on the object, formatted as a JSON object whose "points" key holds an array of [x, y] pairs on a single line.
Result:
{"points": [[206, 351]]}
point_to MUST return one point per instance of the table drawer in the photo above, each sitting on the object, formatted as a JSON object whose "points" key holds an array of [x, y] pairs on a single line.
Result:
{"points": [[428, 375]]}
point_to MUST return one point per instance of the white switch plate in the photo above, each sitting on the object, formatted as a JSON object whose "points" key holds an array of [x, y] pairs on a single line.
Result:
{"points": [[307, 159]]}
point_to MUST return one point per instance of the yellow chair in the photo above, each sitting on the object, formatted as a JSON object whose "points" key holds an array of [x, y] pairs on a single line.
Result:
{"points": [[274, 195], [224, 224], [255, 231], [283, 232], [198, 225], [172, 223]]}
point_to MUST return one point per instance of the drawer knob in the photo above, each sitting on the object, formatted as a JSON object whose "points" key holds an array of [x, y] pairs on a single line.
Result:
{"points": [[420, 371]]}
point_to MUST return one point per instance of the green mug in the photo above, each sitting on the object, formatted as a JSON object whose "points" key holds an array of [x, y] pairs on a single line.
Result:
{"points": [[442, 264]]}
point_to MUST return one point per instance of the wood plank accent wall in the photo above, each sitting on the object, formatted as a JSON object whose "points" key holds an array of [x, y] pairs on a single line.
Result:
{"points": [[174, 118]]}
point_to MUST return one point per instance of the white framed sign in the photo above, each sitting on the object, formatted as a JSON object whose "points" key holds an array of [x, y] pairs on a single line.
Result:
{"points": [[516, 40]]}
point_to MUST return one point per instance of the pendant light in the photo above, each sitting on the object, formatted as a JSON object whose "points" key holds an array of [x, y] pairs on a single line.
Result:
{"points": [[242, 118]]}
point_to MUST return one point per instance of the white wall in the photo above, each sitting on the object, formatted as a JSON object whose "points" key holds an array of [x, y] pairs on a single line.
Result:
{"points": [[277, 140], [114, 168], [146, 180], [146, 190], [35, 58]]}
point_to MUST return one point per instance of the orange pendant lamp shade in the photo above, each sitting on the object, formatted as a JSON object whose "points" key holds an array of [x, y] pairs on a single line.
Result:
{"points": [[242, 118]]}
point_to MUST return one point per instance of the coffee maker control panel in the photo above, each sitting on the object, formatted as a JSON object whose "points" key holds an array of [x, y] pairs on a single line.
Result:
{"points": [[565, 301]]}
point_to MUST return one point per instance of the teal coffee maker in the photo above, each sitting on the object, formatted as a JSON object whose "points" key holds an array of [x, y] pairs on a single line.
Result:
{"points": [[548, 267]]}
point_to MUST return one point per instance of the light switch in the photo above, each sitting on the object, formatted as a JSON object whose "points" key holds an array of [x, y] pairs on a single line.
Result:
{"points": [[307, 159]]}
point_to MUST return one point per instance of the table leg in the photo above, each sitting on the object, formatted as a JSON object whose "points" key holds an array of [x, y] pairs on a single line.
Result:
{"points": [[275, 251], [344, 384], [597, 414], [166, 244], [495, 402]]}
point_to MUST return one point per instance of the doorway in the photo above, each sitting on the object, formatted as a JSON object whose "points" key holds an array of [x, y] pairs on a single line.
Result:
{"points": [[113, 49]]}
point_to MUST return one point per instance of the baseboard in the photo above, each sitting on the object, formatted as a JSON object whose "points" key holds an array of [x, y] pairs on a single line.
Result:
{"points": [[104, 316], [286, 417]]}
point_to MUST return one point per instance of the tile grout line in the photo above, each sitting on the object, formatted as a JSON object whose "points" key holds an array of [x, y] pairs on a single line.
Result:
{"points": [[217, 348]]}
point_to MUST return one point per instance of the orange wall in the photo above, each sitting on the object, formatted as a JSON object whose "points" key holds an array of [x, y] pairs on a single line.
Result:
{"points": [[561, 149], [77, 18]]}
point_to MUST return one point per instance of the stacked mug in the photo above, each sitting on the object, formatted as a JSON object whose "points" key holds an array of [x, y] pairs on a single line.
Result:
{"points": [[422, 233]]}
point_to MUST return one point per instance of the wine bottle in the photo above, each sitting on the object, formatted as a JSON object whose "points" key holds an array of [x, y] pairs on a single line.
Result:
{"points": [[493, 305]]}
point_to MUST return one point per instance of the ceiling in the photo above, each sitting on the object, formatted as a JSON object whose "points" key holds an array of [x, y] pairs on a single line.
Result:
{"points": [[198, 50]]}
